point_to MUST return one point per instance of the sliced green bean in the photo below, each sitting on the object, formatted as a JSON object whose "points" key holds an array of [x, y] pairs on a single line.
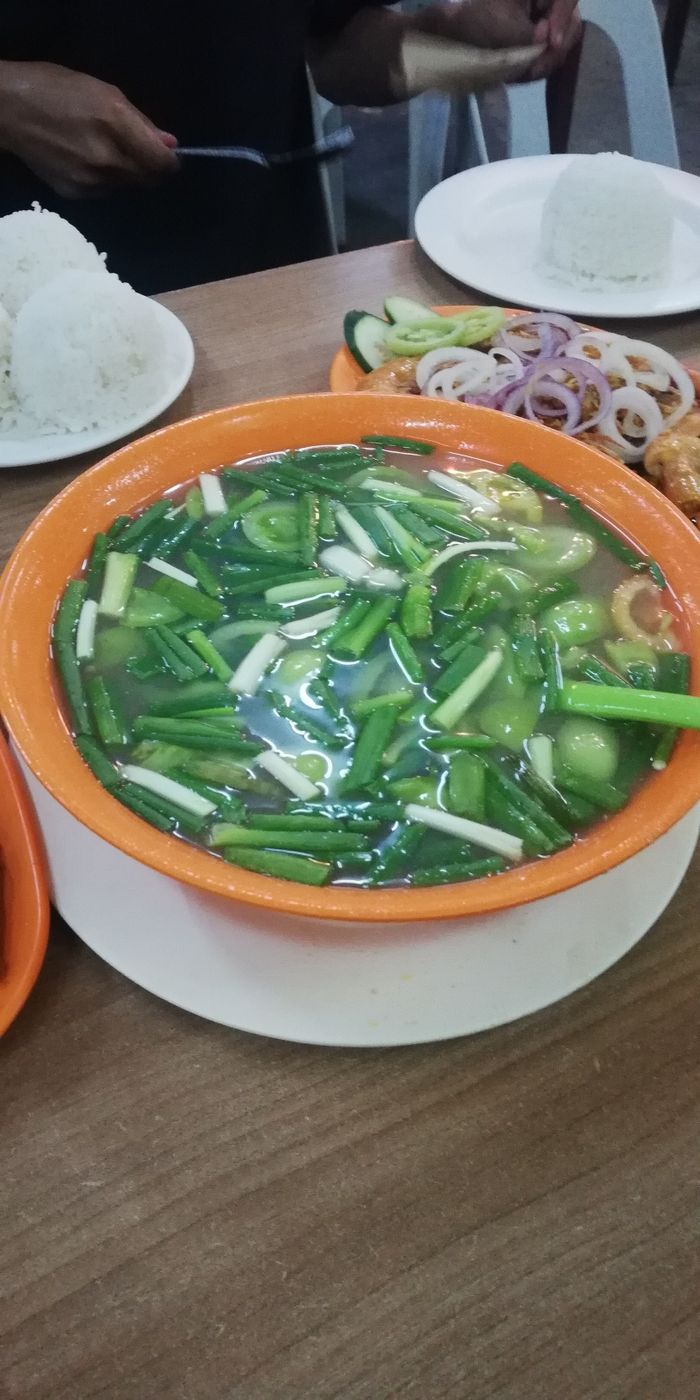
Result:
{"points": [[395, 698], [452, 743], [201, 695], [306, 723], [193, 734], [308, 527], [526, 649]]}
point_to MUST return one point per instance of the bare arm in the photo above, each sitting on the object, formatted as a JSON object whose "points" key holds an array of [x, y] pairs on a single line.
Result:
{"points": [[78, 134], [361, 63]]}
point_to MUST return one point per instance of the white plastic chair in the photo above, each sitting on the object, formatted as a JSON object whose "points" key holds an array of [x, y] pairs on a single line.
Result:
{"points": [[633, 28]]}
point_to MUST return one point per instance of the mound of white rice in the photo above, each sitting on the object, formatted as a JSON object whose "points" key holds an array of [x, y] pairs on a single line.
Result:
{"points": [[6, 394], [34, 246], [87, 352], [607, 222]]}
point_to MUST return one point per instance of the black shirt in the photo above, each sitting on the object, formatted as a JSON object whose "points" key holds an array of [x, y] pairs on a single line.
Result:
{"points": [[218, 72]]}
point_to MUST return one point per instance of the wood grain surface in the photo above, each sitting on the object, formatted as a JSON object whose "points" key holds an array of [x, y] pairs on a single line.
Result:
{"points": [[189, 1213]]}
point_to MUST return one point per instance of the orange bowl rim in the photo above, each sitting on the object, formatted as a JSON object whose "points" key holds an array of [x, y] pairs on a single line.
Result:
{"points": [[23, 891], [54, 546]]}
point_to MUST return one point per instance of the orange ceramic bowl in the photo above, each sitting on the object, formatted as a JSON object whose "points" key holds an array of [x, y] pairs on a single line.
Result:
{"points": [[24, 900], [57, 543]]}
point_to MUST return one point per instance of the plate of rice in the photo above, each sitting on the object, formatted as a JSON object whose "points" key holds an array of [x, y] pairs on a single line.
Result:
{"points": [[84, 359], [591, 236]]}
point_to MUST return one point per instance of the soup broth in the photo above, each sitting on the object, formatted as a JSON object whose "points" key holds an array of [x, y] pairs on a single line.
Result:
{"points": [[348, 665]]}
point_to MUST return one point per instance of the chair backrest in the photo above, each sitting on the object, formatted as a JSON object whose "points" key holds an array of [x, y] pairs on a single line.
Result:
{"points": [[633, 27]]}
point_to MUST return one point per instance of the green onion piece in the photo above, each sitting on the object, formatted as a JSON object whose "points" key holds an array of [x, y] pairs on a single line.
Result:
{"points": [[398, 698], [457, 873], [646, 706], [69, 610], [399, 444], [97, 760], [369, 748], [397, 855], [109, 722], [301, 839], [526, 648], [451, 710], [551, 663], [141, 524], [370, 627], [465, 662], [209, 654], [95, 565], [600, 794], [308, 527], [69, 671], [205, 576], [416, 617], [404, 653], [191, 600], [280, 866]]}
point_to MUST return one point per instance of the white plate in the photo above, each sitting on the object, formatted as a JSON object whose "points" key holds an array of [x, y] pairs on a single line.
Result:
{"points": [[19, 451], [482, 228], [338, 984]]}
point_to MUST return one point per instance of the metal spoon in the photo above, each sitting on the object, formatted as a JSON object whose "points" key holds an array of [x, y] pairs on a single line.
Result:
{"points": [[324, 149]]}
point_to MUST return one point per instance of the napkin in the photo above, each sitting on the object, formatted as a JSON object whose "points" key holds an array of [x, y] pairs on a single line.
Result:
{"points": [[430, 62]]}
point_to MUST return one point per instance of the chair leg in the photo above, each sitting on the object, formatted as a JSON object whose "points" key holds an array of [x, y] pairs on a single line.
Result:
{"points": [[561, 95], [428, 124]]}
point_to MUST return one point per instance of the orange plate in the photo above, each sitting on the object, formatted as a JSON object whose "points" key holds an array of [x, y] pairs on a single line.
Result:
{"points": [[57, 543], [345, 373], [24, 902]]}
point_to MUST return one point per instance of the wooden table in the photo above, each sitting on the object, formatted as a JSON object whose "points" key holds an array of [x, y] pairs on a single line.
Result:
{"points": [[189, 1213]]}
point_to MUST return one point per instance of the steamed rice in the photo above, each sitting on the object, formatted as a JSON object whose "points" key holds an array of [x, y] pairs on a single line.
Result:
{"points": [[607, 222], [34, 246], [87, 352], [6, 394]]}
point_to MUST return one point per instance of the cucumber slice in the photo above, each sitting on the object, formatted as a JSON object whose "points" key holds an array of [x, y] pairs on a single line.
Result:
{"points": [[364, 337], [410, 312]]}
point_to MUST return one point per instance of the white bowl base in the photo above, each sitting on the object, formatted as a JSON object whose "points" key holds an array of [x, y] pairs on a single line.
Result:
{"points": [[348, 984]]}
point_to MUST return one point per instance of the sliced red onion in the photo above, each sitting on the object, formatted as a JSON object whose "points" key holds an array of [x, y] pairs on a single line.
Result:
{"points": [[569, 400], [547, 328], [662, 372], [632, 400], [444, 359]]}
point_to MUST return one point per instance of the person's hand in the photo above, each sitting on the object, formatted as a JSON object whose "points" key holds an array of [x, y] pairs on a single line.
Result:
{"points": [[78, 134], [496, 24]]}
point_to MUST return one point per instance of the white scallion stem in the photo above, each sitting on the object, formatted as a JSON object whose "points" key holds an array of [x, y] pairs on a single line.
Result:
{"points": [[390, 488], [119, 574], [491, 838], [451, 710], [167, 787], [345, 562], [311, 588], [249, 673], [287, 775], [212, 495], [541, 751], [356, 534], [464, 492], [162, 566], [85, 634], [308, 626], [246, 627], [385, 578], [469, 547]]}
